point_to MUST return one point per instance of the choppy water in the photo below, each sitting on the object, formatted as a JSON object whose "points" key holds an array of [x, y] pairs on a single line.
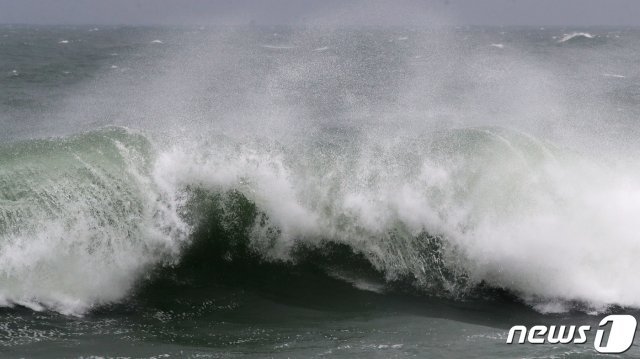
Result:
{"points": [[278, 192]]}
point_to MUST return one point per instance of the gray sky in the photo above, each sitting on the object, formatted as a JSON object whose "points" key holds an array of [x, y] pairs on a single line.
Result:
{"points": [[332, 12]]}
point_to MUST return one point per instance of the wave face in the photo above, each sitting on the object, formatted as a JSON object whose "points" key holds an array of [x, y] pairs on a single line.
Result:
{"points": [[80, 220]]}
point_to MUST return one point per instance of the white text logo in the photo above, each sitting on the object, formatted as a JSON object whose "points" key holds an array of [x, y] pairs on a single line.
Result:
{"points": [[621, 331]]}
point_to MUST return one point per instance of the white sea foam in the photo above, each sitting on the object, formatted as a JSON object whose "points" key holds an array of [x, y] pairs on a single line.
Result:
{"points": [[512, 211]]}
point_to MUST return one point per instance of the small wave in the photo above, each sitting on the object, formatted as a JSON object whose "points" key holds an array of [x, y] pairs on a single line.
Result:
{"points": [[278, 47], [499, 46], [575, 36], [614, 75]]}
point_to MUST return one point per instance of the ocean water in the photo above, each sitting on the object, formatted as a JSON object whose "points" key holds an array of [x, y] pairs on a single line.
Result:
{"points": [[315, 192]]}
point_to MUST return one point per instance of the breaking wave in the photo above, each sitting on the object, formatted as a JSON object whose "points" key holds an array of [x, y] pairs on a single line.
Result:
{"points": [[85, 219], [575, 36]]}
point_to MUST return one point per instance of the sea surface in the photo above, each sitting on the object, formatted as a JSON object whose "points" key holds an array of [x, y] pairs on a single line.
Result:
{"points": [[308, 192]]}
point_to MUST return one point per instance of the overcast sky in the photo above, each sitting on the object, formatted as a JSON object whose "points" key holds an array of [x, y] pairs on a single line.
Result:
{"points": [[332, 12]]}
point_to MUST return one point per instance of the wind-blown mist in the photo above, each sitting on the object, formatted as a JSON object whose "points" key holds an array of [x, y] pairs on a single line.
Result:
{"points": [[450, 159]]}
